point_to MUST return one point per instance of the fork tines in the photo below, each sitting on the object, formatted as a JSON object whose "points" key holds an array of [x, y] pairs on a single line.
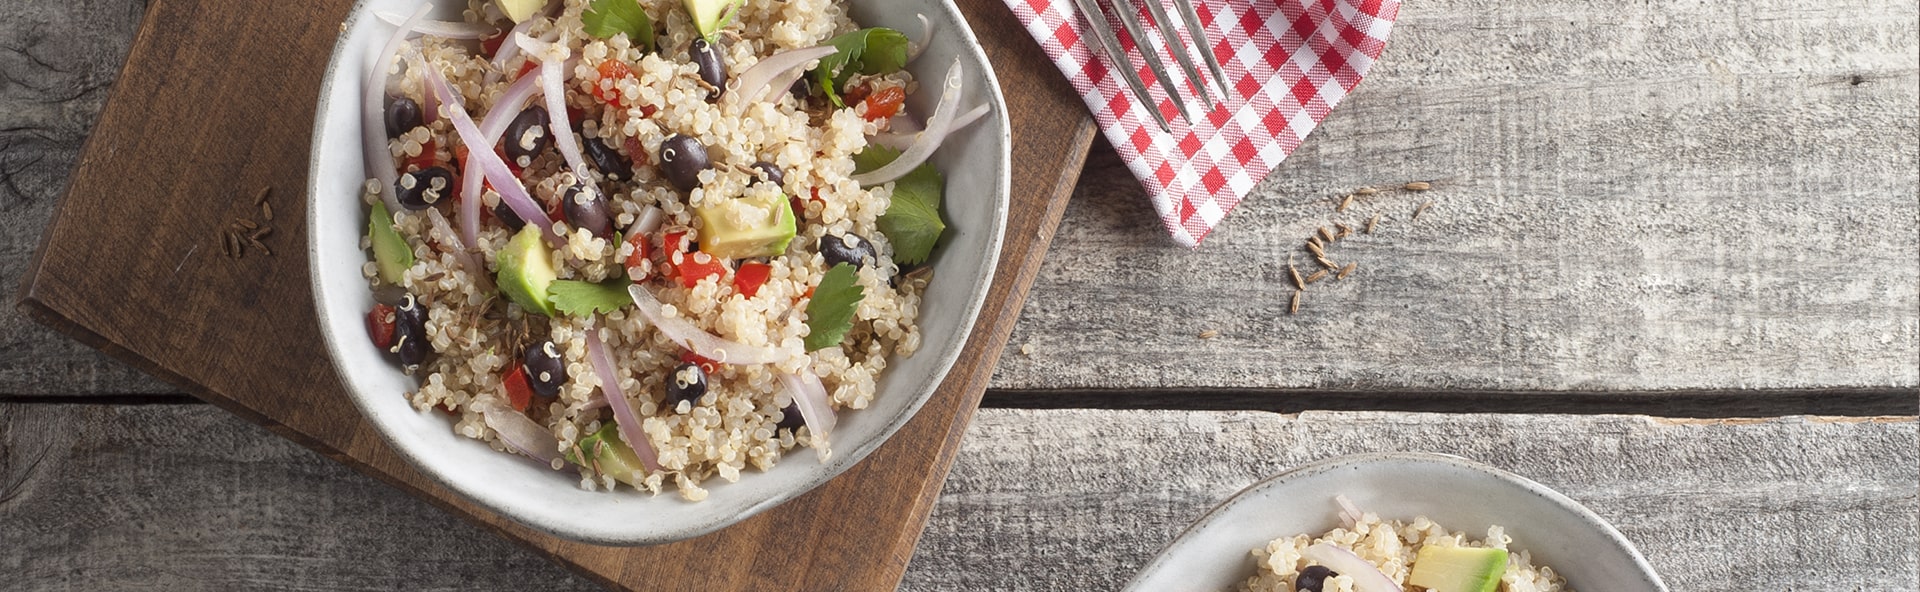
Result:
{"points": [[1130, 19]]}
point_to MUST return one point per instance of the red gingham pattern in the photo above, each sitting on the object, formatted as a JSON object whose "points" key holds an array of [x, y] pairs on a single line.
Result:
{"points": [[1287, 61]]}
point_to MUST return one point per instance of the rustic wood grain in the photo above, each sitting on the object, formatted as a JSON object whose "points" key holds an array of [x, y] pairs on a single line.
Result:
{"points": [[1651, 197], [56, 61], [132, 286], [1654, 196], [183, 497]]}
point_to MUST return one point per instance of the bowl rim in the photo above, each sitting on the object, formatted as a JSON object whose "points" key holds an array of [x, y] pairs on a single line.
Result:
{"points": [[968, 49], [1560, 501]]}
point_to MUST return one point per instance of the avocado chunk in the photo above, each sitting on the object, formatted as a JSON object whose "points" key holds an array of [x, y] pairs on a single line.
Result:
{"points": [[1458, 569], [390, 252], [709, 16], [520, 10], [607, 453], [526, 270], [759, 224]]}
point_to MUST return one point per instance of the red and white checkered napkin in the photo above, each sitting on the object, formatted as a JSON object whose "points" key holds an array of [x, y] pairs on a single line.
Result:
{"points": [[1287, 61]]}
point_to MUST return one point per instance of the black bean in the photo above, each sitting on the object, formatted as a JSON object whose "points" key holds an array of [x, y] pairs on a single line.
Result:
{"points": [[713, 68], [687, 383], [1312, 578], [790, 418], [410, 332], [770, 173], [546, 369], [681, 160], [403, 114], [607, 160], [419, 190], [802, 89], [508, 217], [528, 136], [587, 208], [849, 248]]}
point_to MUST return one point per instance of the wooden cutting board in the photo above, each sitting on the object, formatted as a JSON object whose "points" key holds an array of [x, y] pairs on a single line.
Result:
{"points": [[217, 101]]}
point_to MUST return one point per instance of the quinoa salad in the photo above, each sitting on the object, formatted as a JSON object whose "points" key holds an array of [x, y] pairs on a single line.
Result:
{"points": [[1369, 554], [697, 231]]}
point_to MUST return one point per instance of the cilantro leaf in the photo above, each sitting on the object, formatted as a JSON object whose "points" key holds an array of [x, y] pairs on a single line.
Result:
{"points": [[606, 18], [872, 51], [913, 222], [581, 299], [830, 313]]}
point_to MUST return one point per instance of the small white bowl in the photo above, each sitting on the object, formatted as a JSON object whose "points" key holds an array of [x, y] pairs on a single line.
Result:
{"points": [[1215, 554], [977, 163]]}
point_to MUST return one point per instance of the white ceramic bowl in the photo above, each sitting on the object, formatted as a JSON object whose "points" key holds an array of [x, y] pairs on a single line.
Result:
{"points": [[1214, 555], [976, 161]]}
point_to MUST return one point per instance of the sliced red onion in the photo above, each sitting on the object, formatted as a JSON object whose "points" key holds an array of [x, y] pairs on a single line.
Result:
{"points": [[523, 435], [811, 397], [553, 85], [1349, 514], [617, 399], [926, 38], [649, 221], [507, 51], [902, 139], [480, 151], [929, 139], [707, 345], [493, 126], [373, 122], [1366, 577], [756, 82], [443, 29]]}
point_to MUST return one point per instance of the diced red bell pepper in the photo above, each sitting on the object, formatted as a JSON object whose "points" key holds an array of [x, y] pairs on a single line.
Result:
{"points": [[855, 94], [491, 45], [884, 103], [750, 276], [695, 266], [639, 262], [380, 326], [525, 68], [424, 160], [706, 365], [612, 70], [519, 391]]}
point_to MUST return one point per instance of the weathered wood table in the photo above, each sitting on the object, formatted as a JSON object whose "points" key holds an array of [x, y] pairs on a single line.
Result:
{"points": [[1671, 267]]}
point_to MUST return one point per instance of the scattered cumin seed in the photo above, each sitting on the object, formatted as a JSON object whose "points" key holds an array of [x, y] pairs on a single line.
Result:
{"points": [[226, 245], [260, 245], [1324, 262], [1365, 191], [266, 211], [1209, 334], [1372, 222], [264, 193], [1345, 230], [1326, 235], [1423, 208], [263, 232], [233, 244], [1316, 250], [1317, 276], [1344, 203], [245, 223], [1346, 271], [1298, 284], [1418, 186], [434, 277], [1294, 308]]}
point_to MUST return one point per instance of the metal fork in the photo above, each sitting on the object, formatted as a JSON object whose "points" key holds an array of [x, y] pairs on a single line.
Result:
{"points": [[1130, 19]]}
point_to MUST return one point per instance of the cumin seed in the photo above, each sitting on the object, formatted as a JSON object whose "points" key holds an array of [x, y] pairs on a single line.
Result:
{"points": [[1324, 262], [1372, 222], [266, 211], [1346, 271], [1418, 186], [1317, 276], [1209, 334], [1345, 230], [1365, 191], [1294, 308], [1344, 203], [1423, 208], [262, 197], [1298, 284]]}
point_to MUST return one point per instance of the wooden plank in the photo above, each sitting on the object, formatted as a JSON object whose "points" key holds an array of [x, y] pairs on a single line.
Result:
{"points": [[1648, 198], [186, 497], [1656, 197], [201, 323], [56, 60]]}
